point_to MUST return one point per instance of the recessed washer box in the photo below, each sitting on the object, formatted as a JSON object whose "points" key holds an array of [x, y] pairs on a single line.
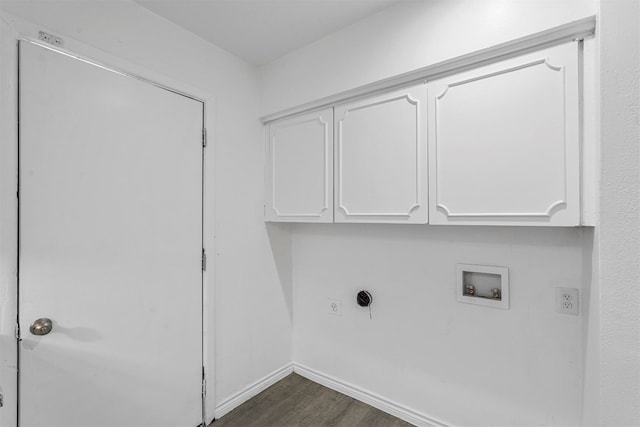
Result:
{"points": [[483, 285]]}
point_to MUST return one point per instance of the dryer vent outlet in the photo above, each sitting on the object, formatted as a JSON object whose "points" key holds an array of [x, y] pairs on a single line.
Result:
{"points": [[364, 298]]}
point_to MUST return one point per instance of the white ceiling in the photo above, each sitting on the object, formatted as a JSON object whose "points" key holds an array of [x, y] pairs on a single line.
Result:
{"points": [[260, 31]]}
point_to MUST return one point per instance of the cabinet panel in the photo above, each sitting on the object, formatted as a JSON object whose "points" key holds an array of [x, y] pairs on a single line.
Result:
{"points": [[300, 169], [381, 159], [504, 142]]}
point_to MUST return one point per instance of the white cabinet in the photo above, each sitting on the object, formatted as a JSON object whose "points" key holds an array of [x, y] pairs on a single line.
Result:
{"points": [[381, 158], [493, 145], [300, 169], [504, 142]]}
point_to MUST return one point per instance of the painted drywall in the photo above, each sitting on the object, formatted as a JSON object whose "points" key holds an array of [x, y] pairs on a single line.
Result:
{"points": [[403, 38], [591, 330], [252, 304], [458, 363], [618, 234]]}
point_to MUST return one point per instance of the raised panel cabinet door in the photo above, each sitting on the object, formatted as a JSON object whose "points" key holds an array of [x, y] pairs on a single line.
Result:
{"points": [[504, 142], [300, 169], [381, 159]]}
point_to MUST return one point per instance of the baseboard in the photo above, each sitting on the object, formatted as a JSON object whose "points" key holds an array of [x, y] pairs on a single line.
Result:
{"points": [[242, 396], [367, 397]]}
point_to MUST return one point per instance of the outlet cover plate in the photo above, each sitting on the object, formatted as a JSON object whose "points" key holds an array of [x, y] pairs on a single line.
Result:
{"points": [[568, 301], [334, 307]]}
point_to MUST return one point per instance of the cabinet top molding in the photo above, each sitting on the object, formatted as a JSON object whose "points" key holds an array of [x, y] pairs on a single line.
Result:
{"points": [[571, 31]]}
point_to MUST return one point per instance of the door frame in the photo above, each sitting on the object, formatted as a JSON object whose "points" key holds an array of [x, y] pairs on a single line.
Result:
{"points": [[21, 30]]}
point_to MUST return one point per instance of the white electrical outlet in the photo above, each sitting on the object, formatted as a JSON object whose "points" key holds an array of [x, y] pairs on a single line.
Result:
{"points": [[567, 301], [334, 307]]}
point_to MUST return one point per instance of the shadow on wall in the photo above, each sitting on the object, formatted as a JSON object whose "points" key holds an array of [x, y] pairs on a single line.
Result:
{"points": [[281, 249], [455, 234]]}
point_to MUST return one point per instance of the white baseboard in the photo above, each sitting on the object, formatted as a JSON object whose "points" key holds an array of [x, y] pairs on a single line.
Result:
{"points": [[367, 397], [242, 396]]}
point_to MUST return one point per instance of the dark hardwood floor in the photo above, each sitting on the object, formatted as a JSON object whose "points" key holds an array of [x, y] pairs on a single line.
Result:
{"points": [[297, 402]]}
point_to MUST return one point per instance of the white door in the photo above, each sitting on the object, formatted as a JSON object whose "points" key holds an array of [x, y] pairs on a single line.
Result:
{"points": [[110, 248], [300, 169], [381, 158]]}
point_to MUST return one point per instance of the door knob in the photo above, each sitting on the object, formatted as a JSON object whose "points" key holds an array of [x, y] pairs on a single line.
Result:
{"points": [[41, 326]]}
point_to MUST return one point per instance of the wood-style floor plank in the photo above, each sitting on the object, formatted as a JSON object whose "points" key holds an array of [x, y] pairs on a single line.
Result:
{"points": [[298, 402]]}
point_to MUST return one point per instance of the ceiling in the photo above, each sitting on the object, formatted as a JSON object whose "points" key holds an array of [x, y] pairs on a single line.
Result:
{"points": [[260, 31]]}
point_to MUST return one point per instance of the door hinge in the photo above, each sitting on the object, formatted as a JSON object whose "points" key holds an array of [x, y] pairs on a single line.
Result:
{"points": [[204, 137], [204, 260], [204, 384], [17, 332]]}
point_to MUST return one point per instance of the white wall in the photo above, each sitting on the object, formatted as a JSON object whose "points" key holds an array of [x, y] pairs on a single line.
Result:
{"points": [[460, 364], [403, 38], [252, 308], [618, 234]]}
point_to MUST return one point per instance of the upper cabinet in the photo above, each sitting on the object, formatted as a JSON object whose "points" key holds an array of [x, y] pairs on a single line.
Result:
{"points": [[381, 158], [300, 169], [504, 142], [493, 145]]}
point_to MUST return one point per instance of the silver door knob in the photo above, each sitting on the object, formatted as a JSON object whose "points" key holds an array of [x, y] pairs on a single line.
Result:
{"points": [[41, 326]]}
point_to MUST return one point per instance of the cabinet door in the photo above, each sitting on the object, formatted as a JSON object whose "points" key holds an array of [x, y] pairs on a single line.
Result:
{"points": [[300, 169], [504, 142], [381, 159]]}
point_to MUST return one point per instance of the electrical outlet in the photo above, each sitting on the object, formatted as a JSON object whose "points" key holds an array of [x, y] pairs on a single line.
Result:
{"points": [[334, 307], [567, 301]]}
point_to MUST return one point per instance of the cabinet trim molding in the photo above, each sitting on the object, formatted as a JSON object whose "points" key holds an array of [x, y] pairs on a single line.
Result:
{"points": [[560, 204], [327, 172], [571, 31], [418, 202], [554, 206], [517, 162], [323, 122], [497, 73]]}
